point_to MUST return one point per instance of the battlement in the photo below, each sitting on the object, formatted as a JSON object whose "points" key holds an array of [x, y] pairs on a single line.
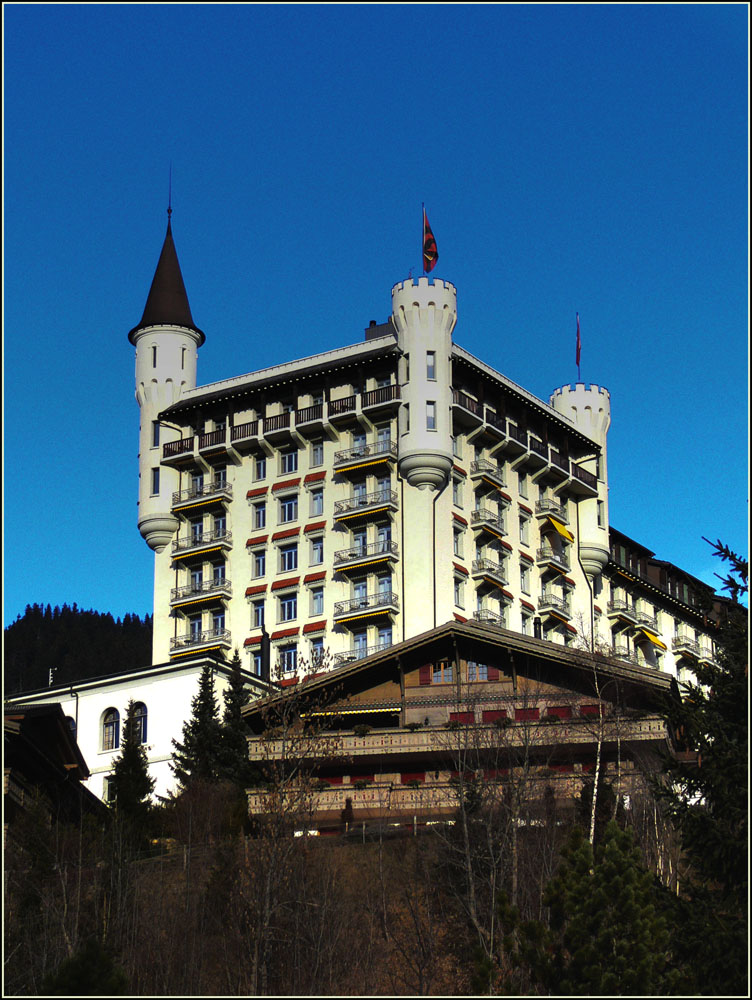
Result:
{"points": [[589, 406], [580, 388], [423, 287]]}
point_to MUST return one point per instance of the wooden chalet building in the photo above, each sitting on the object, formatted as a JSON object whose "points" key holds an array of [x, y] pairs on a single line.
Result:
{"points": [[391, 739]]}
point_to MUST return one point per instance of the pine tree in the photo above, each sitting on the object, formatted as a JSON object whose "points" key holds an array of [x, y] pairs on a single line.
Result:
{"points": [[235, 766], [199, 756], [705, 790], [132, 784], [607, 932]]}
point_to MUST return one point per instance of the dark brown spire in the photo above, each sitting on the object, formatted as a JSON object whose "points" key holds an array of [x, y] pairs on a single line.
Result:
{"points": [[167, 303]]}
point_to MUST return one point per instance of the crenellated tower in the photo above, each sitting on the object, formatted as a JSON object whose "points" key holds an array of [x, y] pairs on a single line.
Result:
{"points": [[589, 406], [166, 342], [424, 315]]}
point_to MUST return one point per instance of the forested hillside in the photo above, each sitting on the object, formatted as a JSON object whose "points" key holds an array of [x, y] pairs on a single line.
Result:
{"points": [[75, 644]]}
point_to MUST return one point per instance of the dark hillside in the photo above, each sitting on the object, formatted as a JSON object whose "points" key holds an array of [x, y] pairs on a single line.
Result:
{"points": [[75, 644]]}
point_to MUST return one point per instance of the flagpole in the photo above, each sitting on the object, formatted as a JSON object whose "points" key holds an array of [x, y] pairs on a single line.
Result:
{"points": [[423, 233], [579, 378]]}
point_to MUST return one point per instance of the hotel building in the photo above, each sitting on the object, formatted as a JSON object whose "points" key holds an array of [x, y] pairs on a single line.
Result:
{"points": [[351, 500]]}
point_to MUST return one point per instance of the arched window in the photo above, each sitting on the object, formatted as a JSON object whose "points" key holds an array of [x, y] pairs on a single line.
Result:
{"points": [[71, 724], [139, 721], [111, 729]]}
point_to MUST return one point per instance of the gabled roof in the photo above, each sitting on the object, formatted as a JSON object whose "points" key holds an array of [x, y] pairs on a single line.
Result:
{"points": [[167, 302], [490, 641]]}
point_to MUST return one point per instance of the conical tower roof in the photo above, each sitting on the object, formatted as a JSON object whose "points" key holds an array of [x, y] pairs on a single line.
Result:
{"points": [[167, 302]]}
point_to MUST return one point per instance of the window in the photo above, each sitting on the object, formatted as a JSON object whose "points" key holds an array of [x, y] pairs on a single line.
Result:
{"points": [[317, 551], [288, 557], [288, 608], [458, 542], [218, 573], [154, 357], [220, 525], [456, 447], [407, 368], [289, 461], [317, 652], [288, 509], [155, 433], [256, 655], [109, 789], [194, 626], [385, 636], [459, 591], [154, 482], [525, 624], [197, 530], [317, 453], [524, 530], [71, 724], [288, 658], [359, 539], [259, 515], [360, 640], [431, 415], [258, 616], [220, 476], [524, 578], [457, 492], [601, 515], [218, 621], [406, 418], [111, 729], [522, 483], [139, 721], [317, 502], [431, 365], [259, 562], [443, 673], [260, 467], [182, 357], [317, 601], [383, 437]]}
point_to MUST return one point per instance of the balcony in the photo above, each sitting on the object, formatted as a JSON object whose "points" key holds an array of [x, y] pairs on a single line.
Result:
{"points": [[366, 607], [553, 602], [583, 482], [212, 440], [194, 593], [178, 452], [277, 426], [706, 656], [197, 642], [366, 504], [468, 410], [538, 455], [550, 508], [559, 463], [207, 493], [622, 610], [489, 472], [496, 424], [359, 653], [488, 618], [385, 399], [341, 408], [192, 544], [368, 454], [547, 556], [682, 645], [242, 436], [516, 439], [489, 571], [364, 555], [648, 621], [488, 520], [310, 419], [624, 653]]}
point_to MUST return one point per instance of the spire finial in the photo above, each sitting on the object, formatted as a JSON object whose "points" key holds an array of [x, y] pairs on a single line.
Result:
{"points": [[169, 195]]}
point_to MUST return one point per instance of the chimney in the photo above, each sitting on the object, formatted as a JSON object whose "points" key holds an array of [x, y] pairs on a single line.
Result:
{"points": [[266, 655]]}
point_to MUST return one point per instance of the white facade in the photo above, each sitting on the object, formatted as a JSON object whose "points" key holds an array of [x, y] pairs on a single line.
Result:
{"points": [[362, 496], [166, 692]]}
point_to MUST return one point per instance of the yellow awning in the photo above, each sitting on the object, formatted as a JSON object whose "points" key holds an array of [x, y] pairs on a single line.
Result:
{"points": [[564, 532], [656, 642]]}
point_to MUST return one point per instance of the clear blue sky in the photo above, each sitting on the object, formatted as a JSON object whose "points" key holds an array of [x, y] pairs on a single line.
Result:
{"points": [[571, 158]]}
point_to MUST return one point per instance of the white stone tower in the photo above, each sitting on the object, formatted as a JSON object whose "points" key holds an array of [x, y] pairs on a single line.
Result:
{"points": [[590, 409], [424, 315], [166, 342]]}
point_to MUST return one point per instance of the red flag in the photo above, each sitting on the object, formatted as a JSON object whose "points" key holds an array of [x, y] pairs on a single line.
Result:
{"points": [[579, 345], [430, 253]]}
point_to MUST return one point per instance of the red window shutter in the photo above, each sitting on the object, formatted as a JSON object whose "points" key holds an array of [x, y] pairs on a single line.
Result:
{"points": [[407, 777], [426, 673], [560, 711], [493, 673], [492, 714], [525, 714], [589, 709], [466, 718]]}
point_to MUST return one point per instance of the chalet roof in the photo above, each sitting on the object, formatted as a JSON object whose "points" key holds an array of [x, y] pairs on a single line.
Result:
{"points": [[652, 683], [167, 302]]}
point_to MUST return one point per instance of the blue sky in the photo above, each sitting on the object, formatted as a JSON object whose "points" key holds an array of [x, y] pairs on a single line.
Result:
{"points": [[574, 158]]}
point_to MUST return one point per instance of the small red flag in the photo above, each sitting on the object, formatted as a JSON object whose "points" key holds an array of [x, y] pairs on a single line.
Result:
{"points": [[579, 345], [430, 253]]}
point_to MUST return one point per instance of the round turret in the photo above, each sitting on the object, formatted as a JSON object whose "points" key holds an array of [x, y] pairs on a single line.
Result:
{"points": [[589, 407], [424, 314], [166, 342]]}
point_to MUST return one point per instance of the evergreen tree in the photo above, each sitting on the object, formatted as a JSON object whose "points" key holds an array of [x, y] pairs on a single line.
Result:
{"points": [[132, 784], [90, 972], [199, 756], [235, 766], [705, 790], [607, 932]]}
